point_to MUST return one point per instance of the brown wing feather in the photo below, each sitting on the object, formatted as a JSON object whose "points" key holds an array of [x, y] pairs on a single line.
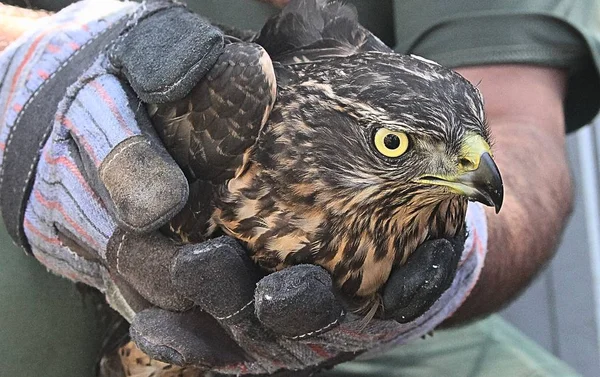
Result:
{"points": [[208, 131]]}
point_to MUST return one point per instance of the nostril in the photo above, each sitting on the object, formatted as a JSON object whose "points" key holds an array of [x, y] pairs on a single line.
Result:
{"points": [[467, 164]]}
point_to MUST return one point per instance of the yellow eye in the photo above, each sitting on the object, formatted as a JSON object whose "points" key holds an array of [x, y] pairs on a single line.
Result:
{"points": [[391, 143]]}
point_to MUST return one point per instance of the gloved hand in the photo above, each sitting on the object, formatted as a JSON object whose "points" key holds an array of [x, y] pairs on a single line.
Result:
{"points": [[104, 184], [79, 159], [292, 320]]}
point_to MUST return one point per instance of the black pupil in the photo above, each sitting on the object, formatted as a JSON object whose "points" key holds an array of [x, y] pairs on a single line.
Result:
{"points": [[391, 141]]}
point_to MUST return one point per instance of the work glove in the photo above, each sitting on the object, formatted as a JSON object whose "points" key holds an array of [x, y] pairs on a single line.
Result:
{"points": [[80, 164], [85, 184], [292, 322]]}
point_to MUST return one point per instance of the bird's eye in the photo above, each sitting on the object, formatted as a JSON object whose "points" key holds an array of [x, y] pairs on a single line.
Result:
{"points": [[389, 143]]}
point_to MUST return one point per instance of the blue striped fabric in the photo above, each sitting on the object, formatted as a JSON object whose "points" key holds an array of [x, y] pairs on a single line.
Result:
{"points": [[28, 62], [97, 114], [92, 119]]}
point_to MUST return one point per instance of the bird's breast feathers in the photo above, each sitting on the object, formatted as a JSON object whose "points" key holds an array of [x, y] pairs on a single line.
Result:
{"points": [[351, 236]]}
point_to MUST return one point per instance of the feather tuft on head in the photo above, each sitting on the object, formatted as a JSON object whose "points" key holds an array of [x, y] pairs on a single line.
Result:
{"points": [[315, 30]]}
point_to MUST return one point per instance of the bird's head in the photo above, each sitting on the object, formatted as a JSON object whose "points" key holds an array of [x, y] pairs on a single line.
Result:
{"points": [[378, 130]]}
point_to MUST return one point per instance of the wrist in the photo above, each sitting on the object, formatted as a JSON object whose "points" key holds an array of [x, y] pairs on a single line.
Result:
{"points": [[14, 21], [277, 3]]}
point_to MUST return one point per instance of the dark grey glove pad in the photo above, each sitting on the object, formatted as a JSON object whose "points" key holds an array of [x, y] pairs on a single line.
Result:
{"points": [[216, 274], [221, 279], [143, 261], [166, 53], [189, 338], [297, 300], [415, 286], [292, 302], [140, 183]]}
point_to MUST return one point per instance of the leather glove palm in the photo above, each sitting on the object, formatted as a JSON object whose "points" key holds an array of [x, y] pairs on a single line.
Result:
{"points": [[292, 320]]}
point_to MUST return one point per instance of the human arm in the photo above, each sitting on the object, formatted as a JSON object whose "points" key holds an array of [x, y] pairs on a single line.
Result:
{"points": [[525, 111], [14, 21]]}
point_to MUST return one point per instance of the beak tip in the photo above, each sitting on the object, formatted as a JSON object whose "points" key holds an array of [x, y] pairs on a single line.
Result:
{"points": [[487, 181], [499, 199], [496, 196], [491, 201], [497, 207], [494, 185]]}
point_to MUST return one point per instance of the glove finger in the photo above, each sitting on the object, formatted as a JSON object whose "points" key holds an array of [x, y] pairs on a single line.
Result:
{"points": [[414, 287], [124, 161], [217, 275], [226, 290], [220, 278], [189, 338], [189, 46], [143, 261], [297, 302]]}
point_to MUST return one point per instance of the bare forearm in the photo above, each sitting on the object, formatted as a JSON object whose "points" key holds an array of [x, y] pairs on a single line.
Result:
{"points": [[524, 235], [14, 21], [524, 106], [277, 3]]}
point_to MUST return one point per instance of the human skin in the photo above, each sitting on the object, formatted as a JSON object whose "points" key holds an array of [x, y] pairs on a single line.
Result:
{"points": [[524, 105], [14, 21]]}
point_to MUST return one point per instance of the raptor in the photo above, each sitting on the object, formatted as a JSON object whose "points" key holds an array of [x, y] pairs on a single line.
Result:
{"points": [[313, 142]]}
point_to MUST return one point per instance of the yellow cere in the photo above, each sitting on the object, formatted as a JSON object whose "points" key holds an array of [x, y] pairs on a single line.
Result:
{"points": [[390, 143], [474, 146]]}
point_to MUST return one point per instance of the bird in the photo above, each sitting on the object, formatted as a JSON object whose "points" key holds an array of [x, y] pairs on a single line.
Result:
{"points": [[129, 361], [313, 142]]}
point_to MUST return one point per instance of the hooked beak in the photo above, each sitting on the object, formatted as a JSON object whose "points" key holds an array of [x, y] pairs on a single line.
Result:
{"points": [[478, 177]]}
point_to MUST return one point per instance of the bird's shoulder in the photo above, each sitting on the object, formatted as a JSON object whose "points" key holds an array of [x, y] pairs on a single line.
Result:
{"points": [[208, 131]]}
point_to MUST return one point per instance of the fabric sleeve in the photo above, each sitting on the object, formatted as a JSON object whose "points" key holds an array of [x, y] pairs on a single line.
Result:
{"points": [[554, 33]]}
